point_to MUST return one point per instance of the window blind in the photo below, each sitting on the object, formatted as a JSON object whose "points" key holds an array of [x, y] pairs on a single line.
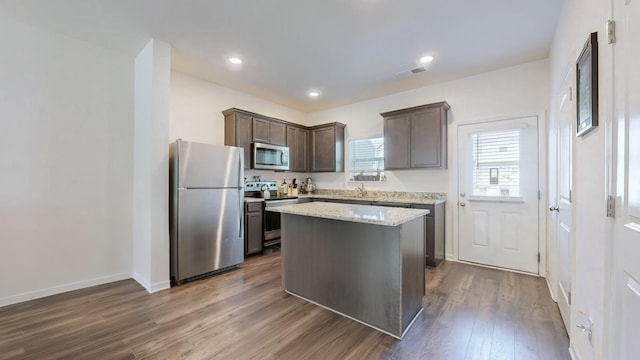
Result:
{"points": [[367, 157], [496, 163]]}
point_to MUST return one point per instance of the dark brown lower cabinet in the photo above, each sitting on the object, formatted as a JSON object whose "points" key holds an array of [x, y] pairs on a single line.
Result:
{"points": [[434, 238], [253, 229]]}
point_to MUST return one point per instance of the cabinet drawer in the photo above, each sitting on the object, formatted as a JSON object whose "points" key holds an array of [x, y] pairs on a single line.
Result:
{"points": [[254, 206]]}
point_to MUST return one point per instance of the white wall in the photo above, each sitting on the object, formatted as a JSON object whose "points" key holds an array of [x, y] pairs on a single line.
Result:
{"points": [[518, 90], [66, 143], [196, 115], [151, 165], [197, 105], [512, 91], [578, 19]]}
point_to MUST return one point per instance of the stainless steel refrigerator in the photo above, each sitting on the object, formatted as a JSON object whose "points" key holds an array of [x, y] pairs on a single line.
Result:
{"points": [[206, 209]]}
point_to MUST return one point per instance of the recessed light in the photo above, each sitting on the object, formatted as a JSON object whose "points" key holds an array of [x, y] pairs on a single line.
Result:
{"points": [[314, 93], [235, 60], [426, 59]]}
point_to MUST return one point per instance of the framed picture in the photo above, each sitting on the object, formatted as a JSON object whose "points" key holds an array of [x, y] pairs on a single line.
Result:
{"points": [[587, 94]]}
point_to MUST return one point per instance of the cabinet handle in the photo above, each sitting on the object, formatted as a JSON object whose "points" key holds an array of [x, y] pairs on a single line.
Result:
{"points": [[554, 208]]}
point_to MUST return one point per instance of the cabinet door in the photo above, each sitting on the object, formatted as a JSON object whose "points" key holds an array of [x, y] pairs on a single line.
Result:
{"points": [[243, 137], [429, 242], [302, 157], [297, 143], [253, 233], [396, 142], [323, 149], [277, 133], [434, 233], [237, 132], [292, 144], [261, 129], [427, 139], [438, 233]]}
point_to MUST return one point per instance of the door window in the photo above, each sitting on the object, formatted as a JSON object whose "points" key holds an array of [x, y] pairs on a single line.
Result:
{"points": [[496, 163]]}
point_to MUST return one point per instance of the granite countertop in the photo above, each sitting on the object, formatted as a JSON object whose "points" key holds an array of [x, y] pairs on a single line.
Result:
{"points": [[373, 197], [377, 215], [385, 196]]}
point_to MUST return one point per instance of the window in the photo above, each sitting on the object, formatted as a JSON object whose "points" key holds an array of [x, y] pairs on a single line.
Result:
{"points": [[367, 159], [496, 163]]}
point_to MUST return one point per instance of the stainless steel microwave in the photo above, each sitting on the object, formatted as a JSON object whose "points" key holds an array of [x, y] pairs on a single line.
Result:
{"points": [[269, 157]]}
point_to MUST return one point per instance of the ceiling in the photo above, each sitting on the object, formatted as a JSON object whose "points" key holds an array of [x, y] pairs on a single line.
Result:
{"points": [[349, 50]]}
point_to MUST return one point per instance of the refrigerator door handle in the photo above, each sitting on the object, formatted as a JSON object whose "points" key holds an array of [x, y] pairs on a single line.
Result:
{"points": [[240, 218], [240, 168], [240, 197]]}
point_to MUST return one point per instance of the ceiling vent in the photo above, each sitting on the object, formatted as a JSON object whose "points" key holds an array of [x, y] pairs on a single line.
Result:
{"points": [[411, 72]]}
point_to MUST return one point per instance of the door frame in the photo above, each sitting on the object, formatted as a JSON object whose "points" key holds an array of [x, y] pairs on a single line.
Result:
{"points": [[542, 173]]}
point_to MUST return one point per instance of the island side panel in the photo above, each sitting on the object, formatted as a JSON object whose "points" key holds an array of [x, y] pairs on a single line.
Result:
{"points": [[352, 268], [413, 263]]}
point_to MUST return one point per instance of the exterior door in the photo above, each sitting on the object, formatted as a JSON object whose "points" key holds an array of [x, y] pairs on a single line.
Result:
{"points": [[498, 193], [625, 150], [562, 210]]}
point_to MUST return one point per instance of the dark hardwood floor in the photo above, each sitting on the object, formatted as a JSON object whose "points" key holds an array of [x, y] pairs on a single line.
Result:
{"points": [[470, 313]]}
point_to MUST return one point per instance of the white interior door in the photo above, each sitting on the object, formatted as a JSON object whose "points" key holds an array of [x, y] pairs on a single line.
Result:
{"points": [[498, 193], [625, 264], [562, 208]]}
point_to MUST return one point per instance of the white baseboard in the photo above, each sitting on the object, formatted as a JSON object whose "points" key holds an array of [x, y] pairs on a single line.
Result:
{"points": [[151, 288], [553, 293], [163, 285], [141, 280], [573, 354], [36, 294]]}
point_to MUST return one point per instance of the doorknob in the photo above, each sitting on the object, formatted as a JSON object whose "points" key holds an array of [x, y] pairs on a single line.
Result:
{"points": [[462, 204], [554, 208]]}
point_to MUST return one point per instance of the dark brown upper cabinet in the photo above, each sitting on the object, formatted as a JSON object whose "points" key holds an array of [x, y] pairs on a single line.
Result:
{"points": [[261, 131], [298, 143], [317, 149], [416, 138], [238, 132], [241, 128], [327, 148], [269, 132]]}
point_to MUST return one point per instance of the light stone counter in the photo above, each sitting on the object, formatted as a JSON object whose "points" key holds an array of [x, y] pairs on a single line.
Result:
{"points": [[384, 196], [377, 215]]}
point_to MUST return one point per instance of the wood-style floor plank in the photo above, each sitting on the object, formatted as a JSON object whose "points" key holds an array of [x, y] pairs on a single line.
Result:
{"points": [[469, 313]]}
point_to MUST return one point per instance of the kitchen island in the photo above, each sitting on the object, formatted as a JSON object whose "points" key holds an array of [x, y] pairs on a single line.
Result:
{"points": [[363, 262]]}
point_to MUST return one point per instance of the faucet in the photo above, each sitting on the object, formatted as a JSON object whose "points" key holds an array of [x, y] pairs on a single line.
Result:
{"points": [[360, 190]]}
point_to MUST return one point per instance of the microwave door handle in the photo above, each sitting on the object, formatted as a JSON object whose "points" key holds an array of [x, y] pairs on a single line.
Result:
{"points": [[282, 158]]}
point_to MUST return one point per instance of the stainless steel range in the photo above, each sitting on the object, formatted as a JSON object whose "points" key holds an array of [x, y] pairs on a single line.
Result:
{"points": [[271, 219]]}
